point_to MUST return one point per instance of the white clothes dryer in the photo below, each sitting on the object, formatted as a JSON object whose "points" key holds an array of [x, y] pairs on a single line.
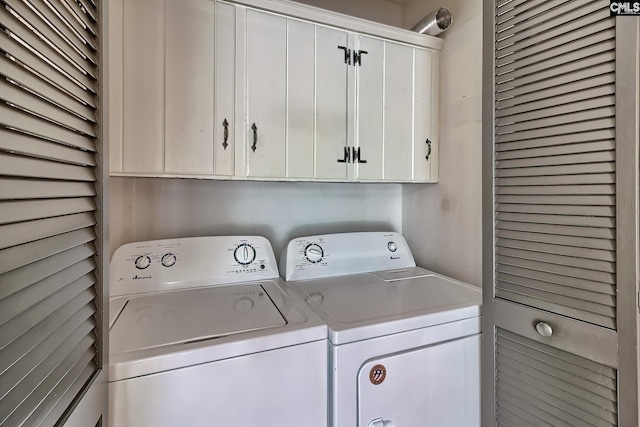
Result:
{"points": [[202, 333], [404, 342]]}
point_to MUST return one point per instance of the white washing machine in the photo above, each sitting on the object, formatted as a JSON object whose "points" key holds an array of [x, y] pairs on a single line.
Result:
{"points": [[404, 342], [202, 333]]}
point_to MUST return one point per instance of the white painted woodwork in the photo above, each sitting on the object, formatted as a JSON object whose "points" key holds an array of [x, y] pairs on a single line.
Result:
{"points": [[425, 115], [189, 86], [301, 77], [224, 92], [398, 112], [218, 61], [266, 62], [114, 74], [394, 111], [143, 85], [370, 106], [332, 98]]}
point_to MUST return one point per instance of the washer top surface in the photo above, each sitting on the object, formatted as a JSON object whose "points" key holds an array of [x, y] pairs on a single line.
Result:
{"points": [[366, 285], [363, 297], [363, 306], [191, 315], [182, 302]]}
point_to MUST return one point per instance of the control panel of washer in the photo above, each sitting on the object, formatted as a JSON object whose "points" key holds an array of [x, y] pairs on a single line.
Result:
{"points": [[328, 255], [190, 262]]}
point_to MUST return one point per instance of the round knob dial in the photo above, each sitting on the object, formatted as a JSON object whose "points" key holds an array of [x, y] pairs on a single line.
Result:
{"points": [[244, 254], [313, 253], [142, 262], [392, 246], [168, 260]]}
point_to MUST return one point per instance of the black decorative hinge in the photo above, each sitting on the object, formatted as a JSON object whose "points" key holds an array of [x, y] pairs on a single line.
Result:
{"points": [[347, 54], [347, 156], [356, 156], [357, 56]]}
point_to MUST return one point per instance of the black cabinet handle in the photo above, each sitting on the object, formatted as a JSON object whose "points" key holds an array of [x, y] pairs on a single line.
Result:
{"points": [[429, 149], [254, 128], [347, 156], [356, 156], [347, 54], [226, 134], [357, 56]]}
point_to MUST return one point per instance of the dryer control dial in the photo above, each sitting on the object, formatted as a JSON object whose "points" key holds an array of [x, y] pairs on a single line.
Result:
{"points": [[244, 254], [314, 253], [142, 262], [168, 259]]}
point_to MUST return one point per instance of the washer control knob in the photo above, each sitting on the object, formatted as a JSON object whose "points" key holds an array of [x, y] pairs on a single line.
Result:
{"points": [[244, 254], [314, 253], [392, 246], [142, 262], [168, 259]]}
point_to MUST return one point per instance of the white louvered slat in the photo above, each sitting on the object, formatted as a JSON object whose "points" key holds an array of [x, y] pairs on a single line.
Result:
{"points": [[50, 324], [20, 143], [25, 232], [22, 120], [19, 166], [22, 98], [25, 35], [43, 69], [547, 385], [38, 209], [23, 77], [23, 277], [83, 44], [560, 24], [19, 256], [54, 38]]}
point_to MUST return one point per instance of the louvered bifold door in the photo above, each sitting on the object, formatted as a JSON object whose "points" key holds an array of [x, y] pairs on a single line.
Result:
{"points": [[551, 225], [48, 133], [555, 158]]}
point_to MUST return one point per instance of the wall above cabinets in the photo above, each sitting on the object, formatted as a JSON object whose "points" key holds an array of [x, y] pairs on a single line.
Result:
{"points": [[270, 90]]}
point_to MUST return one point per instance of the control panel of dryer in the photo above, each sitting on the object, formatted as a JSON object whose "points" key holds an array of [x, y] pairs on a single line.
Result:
{"points": [[327, 255], [190, 262]]}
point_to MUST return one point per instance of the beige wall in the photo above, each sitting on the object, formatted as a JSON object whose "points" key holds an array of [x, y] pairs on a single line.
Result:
{"points": [[442, 222], [159, 208]]}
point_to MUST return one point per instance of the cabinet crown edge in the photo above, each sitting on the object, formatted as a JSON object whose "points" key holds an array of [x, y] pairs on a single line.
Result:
{"points": [[343, 21]]}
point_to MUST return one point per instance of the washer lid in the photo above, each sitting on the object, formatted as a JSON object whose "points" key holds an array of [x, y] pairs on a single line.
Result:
{"points": [[192, 315], [364, 306]]}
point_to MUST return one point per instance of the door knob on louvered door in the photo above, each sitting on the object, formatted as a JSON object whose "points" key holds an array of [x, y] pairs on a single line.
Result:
{"points": [[544, 329]]}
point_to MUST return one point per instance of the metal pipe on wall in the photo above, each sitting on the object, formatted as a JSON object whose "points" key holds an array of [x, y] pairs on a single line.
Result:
{"points": [[434, 23]]}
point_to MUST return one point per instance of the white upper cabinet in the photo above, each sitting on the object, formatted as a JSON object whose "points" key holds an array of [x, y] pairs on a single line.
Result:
{"points": [[177, 87], [395, 130], [273, 91]]}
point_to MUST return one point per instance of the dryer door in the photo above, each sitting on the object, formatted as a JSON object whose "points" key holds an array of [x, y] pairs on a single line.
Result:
{"points": [[432, 386]]}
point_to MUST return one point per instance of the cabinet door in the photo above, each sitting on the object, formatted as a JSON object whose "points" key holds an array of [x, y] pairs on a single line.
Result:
{"points": [[224, 141], [189, 86], [332, 103], [143, 85], [425, 113], [266, 60], [370, 139], [393, 111], [301, 79]]}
